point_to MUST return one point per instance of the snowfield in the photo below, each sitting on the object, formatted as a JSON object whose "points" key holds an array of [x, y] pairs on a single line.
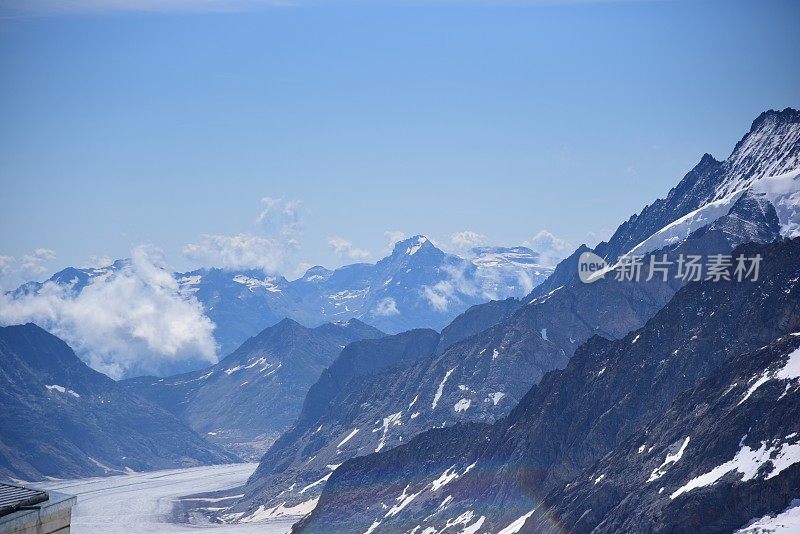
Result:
{"points": [[142, 502]]}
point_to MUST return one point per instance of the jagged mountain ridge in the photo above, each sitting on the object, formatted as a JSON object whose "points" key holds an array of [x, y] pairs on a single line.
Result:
{"points": [[480, 378], [244, 402], [612, 394], [60, 418], [770, 148]]}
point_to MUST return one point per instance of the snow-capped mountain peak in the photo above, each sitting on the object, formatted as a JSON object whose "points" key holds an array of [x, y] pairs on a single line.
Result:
{"points": [[413, 245], [497, 256], [770, 148], [317, 273]]}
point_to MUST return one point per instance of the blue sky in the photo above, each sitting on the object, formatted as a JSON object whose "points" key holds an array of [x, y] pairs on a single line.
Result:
{"points": [[122, 127]]}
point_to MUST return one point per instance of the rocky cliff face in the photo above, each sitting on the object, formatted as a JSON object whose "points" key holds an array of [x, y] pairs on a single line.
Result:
{"points": [[770, 149]]}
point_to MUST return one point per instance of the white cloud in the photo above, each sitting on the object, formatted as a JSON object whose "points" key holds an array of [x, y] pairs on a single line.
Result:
{"points": [[31, 266], [595, 237], [386, 307], [7, 263], [98, 262], [235, 252], [392, 237], [437, 297], [282, 218], [447, 291], [281, 222], [551, 249], [345, 249], [135, 320], [467, 239]]}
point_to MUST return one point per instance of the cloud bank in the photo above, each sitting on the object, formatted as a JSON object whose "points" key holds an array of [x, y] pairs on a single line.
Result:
{"points": [[133, 321], [446, 292], [467, 239], [392, 237], [281, 223], [551, 249], [345, 249], [32, 266], [235, 252], [386, 307]]}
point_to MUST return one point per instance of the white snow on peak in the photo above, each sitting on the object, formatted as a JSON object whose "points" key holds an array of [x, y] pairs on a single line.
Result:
{"points": [[789, 371], [516, 526], [748, 462], [474, 527], [317, 483], [764, 152], [462, 405], [786, 522], [402, 501], [347, 438], [62, 389], [394, 419], [372, 527], [495, 397], [413, 249], [445, 478], [670, 459], [188, 284], [262, 513], [678, 230], [441, 388], [254, 283], [449, 475], [783, 192], [252, 362]]}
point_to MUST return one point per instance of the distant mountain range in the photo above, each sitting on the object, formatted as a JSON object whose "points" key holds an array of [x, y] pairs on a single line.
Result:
{"points": [[417, 286]]}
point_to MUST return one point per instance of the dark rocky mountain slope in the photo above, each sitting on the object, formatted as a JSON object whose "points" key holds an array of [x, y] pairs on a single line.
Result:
{"points": [[250, 397], [592, 445], [59, 418], [480, 378]]}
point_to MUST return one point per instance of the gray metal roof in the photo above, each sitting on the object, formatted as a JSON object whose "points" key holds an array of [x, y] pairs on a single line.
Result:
{"points": [[12, 498]]}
